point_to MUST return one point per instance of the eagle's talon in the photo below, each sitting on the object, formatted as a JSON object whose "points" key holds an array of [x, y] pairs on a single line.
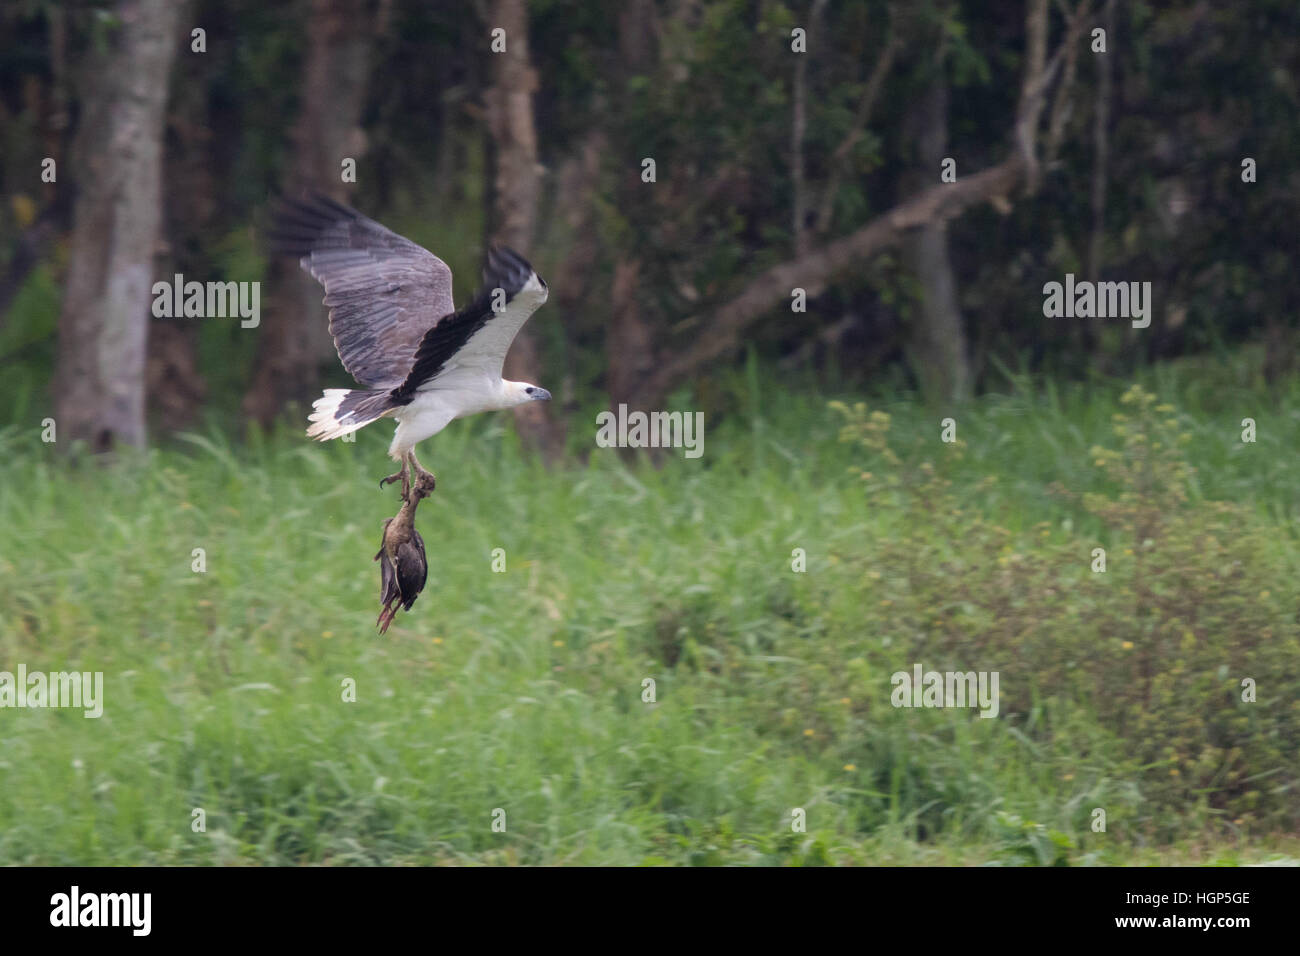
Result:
{"points": [[404, 475], [424, 479]]}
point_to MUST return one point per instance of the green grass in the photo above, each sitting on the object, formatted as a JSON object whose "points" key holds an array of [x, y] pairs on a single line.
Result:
{"points": [[522, 690]]}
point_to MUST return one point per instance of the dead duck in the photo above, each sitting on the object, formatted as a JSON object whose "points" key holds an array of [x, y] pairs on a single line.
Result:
{"points": [[403, 567]]}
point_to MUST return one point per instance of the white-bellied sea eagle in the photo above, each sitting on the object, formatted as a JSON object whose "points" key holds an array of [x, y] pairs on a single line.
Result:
{"points": [[397, 332]]}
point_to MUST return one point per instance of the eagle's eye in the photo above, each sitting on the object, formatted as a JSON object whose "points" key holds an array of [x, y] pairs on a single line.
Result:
{"points": [[530, 390]]}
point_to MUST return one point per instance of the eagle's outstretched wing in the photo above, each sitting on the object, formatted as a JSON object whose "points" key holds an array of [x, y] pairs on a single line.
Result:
{"points": [[479, 335], [383, 291]]}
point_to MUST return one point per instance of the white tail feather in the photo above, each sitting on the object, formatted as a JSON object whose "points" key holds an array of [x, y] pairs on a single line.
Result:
{"points": [[324, 425]]}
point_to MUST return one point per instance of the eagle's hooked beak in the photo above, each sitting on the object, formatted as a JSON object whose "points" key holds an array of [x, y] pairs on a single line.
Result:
{"points": [[541, 395]]}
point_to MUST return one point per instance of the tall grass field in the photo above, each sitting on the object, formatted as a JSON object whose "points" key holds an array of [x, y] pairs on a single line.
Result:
{"points": [[674, 661]]}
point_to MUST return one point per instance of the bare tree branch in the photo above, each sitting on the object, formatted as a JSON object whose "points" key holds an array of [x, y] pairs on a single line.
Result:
{"points": [[840, 158], [1039, 74], [720, 331], [1061, 104]]}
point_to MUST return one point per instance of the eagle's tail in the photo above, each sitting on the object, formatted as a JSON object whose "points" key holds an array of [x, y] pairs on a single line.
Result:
{"points": [[341, 411]]}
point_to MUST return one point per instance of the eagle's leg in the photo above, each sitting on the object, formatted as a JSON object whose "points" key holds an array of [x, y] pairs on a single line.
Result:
{"points": [[420, 472], [404, 474]]}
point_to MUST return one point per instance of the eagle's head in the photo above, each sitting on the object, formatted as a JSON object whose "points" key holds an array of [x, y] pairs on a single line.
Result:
{"points": [[520, 393]]}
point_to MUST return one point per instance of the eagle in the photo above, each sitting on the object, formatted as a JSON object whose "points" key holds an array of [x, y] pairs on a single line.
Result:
{"points": [[419, 361]]}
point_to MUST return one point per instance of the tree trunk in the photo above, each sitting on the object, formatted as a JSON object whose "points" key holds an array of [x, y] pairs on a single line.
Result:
{"points": [[629, 339], [937, 351], [800, 226], [174, 387], [117, 158], [295, 340], [516, 187], [573, 226]]}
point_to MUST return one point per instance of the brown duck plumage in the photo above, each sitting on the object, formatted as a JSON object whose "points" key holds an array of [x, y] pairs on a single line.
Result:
{"points": [[403, 567]]}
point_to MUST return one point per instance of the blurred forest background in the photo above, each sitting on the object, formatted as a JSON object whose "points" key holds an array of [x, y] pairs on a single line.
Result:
{"points": [[132, 149], [774, 170]]}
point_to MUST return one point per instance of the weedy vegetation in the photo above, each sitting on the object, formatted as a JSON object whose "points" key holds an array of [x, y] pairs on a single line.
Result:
{"points": [[523, 690]]}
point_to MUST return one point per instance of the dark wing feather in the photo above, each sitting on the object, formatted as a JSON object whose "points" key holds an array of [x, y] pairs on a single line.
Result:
{"points": [[476, 335], [412, 569], [383, 291]]}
